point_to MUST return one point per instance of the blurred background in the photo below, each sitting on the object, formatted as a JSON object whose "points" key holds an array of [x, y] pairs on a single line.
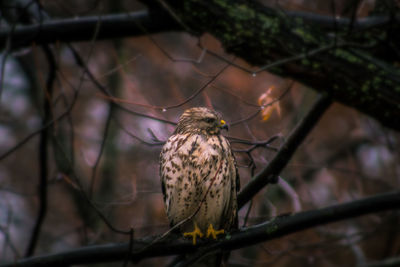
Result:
{"points": [[109, 146]]}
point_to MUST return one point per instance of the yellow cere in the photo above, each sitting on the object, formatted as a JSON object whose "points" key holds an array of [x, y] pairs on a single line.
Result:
{"points": [[223, 122]]}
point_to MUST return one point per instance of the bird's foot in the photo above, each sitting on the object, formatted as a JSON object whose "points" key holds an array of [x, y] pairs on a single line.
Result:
{"points": [[213, 233], [196, 232]]}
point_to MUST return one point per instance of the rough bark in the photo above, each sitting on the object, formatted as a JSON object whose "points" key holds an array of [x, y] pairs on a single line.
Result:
{"points": [[277, 227], [357, 66], [355, 61]]}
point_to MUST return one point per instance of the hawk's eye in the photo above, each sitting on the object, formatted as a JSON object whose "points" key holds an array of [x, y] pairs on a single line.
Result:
{"points": [[209, 120]]}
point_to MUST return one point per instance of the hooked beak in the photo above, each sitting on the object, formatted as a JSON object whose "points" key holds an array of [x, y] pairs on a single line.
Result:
{"points": [[223, 125]]}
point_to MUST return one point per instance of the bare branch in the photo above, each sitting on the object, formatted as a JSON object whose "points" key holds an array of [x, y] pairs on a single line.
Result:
{"points": [[43, 153], [267, 37], [275, 228], [270, 173], [81, 29]]}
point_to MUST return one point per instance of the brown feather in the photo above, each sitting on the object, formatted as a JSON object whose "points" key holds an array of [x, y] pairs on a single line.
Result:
{"points": [[199, 174]]}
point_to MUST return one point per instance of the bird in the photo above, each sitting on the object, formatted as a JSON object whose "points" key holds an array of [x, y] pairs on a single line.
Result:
{"points": [[199, 176]]}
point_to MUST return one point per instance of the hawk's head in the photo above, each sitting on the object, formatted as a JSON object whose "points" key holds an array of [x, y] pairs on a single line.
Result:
{"points": [[200, 120]]}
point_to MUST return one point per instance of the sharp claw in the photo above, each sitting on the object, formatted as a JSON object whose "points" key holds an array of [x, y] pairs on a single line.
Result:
{"points": [[212, 232], [196, 232]]}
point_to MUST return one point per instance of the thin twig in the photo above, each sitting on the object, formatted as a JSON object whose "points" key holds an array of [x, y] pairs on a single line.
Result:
{"points": [[288, 148], [251, 116], [43, 153], [165, 108], [83, 65], [79, 187], [155, 143], [102, 146]]}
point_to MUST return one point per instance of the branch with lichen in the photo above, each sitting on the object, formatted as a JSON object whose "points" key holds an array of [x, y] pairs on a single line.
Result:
{"points": [[357, 67], [355, 61]]}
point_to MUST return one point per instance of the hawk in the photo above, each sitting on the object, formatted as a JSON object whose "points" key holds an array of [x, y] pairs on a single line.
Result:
{"points": [[199, 176]]}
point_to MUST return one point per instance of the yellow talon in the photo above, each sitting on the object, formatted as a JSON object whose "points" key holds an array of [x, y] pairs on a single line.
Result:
{"points": [[196, 232], [212, 232]]}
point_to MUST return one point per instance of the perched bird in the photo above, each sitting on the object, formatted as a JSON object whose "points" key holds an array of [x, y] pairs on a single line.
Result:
{"points": [[199, 176]]}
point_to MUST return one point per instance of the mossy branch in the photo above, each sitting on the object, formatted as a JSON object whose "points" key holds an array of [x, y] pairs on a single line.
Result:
{"points": [[357, 67]]}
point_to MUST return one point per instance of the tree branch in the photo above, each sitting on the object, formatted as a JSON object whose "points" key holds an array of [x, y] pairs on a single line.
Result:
{"points": [[43, 153], [390, 262], [140, 23], [81, 29], [275, 228], [270, 173], [357, 69]]}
